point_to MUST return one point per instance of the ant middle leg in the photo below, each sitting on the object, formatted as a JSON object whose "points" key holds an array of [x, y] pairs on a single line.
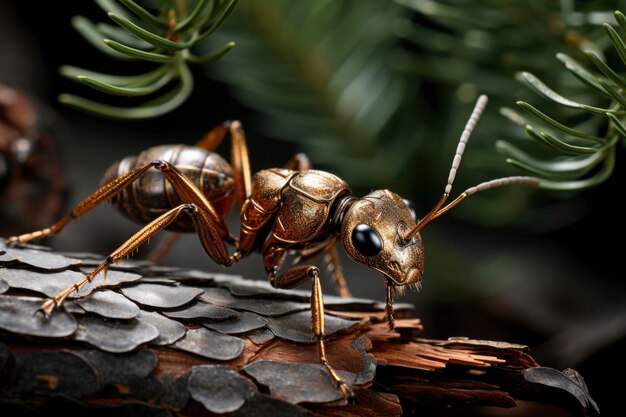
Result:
{"points": [[295, 277]]}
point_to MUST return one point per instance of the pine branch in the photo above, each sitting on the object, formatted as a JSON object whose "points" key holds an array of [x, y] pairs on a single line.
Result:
{"points": [[164, 38], [583, 159], [463, 48]]}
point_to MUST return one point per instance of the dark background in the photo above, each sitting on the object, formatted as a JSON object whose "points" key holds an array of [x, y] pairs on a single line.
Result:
{"points": [[562, 292]]}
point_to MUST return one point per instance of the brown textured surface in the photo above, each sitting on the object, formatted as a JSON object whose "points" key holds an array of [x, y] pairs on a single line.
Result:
{"points": [[393, 373]]}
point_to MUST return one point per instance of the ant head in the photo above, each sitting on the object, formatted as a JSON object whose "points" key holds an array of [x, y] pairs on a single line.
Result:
{"points": [[381, 230], [373, 233]]}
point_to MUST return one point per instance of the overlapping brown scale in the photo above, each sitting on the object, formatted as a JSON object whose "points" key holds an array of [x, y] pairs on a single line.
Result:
{"points": [[263, 306], [296, 327], [128, 373], [109, 304], [51, 283], [169, 330], [219, 388], [37, 259], [48, 284], [210, 344], [568, 381], [257, 288], [53, 373], [161, 296], [298, 382], [366, 375], [92, 260], [200, 311], [160, 280], [115, 335], [245, 323], [22, 315], [261, 336]]}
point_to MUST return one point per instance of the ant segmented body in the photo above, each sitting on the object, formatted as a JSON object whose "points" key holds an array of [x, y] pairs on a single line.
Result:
{"points": [[282, 210]]}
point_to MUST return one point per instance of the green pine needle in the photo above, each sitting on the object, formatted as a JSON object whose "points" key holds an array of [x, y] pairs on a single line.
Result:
{"points": [[142, 35], [606, 70], [143, 90], [153, 108], [143, 14], [536, 84], [550, 122], [570, 170], [137, 53], [156, 40], [90, 32]]}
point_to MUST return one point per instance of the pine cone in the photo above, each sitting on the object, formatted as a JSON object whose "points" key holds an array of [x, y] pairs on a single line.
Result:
{"points": [[32, 185]]}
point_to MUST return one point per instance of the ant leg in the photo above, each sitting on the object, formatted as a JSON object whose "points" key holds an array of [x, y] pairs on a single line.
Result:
{"points": [[239, 159], [209, 226], [163, 248], [104, 193], [333, 262], [241, 166], [183, 186], [299, 162], [208, 234], [334, 266], [297, 276]]}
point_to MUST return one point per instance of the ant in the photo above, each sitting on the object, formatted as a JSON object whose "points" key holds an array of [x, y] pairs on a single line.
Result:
{"points": [[293, 209]]}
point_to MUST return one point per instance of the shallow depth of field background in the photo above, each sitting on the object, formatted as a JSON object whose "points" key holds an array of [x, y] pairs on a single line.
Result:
{"points": [[530, 267]]}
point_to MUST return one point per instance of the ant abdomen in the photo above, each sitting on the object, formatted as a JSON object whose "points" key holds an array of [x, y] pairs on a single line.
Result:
{"points": [[151, 195]]}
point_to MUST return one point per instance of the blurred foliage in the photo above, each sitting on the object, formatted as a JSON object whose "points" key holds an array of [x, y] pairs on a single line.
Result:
{"points": [[379, 95], [583, 159], [379, 92], [165, 38], [319, 74]]}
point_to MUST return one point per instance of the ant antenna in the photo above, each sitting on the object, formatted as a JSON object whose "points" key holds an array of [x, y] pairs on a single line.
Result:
{"points": [[439, 209]]}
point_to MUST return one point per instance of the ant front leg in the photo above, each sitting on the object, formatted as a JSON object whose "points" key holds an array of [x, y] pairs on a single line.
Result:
{"points": [[300, 162], [295, 277]]}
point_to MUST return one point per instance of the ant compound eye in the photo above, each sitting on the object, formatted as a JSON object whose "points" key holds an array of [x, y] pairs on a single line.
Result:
{"points": [[409, 204], [366, 240]]}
